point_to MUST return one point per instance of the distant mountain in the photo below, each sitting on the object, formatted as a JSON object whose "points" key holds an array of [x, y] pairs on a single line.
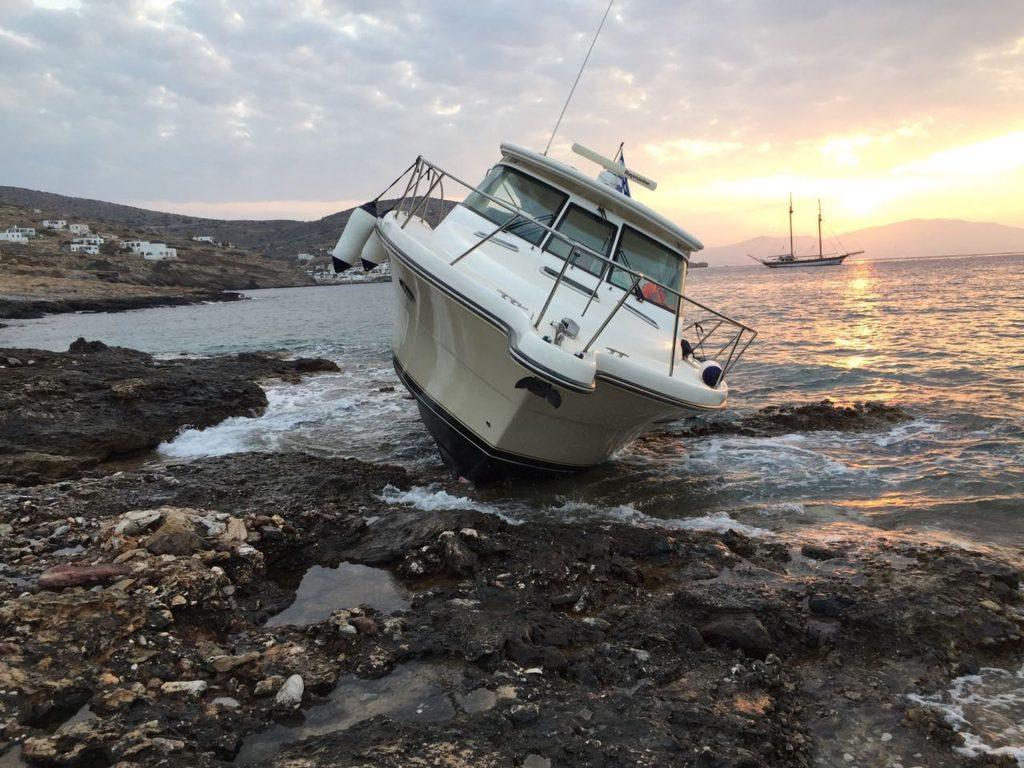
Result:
{"points": [[902, 239], [277, 238]]}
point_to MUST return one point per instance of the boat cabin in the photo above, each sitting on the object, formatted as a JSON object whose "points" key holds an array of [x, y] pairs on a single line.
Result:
{"points": [[593, 214]]}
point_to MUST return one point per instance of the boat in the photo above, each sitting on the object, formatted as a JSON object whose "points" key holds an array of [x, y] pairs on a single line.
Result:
{"points": [[792, 260], [541, 324]]}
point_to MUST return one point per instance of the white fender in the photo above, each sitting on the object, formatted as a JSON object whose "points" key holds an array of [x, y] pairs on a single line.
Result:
{"points": [[354, 236], [373, 253]]}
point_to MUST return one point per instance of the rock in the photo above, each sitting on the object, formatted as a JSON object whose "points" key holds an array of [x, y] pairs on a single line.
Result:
{"points": [[364, 625], [641, 656], [991, 605], [235, 532], [819, 551], [290, 695], [523, 714], [226, 702], [831, 606], [82, 347], [160, 619], [268, 685], [176, 536], [458, 558], [228, 663], [191, 687], [475, 702], [61, 576], [536, 761], [743, 631]]}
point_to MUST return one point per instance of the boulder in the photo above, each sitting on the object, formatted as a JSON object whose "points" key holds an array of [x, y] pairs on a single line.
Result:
{"points": [[743, 631], [61, 576]]}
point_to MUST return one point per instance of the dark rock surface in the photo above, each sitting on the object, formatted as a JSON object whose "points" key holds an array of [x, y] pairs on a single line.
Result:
{"points": [[62, 412], [22, 309], [134, 608]]}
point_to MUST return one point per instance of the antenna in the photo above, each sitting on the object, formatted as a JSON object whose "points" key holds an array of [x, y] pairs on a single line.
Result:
{"points": [[617, 168], [579, 75]]}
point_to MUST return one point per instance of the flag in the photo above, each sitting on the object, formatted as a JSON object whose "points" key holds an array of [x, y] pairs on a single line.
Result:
{"points": [[623, 185]]}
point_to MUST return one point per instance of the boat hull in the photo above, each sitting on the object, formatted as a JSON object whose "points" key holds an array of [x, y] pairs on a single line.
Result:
{"points": [[489, 415], [828, 261]]}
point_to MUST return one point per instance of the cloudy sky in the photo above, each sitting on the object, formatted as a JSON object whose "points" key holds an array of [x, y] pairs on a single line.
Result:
{"points": [[264, 108]]}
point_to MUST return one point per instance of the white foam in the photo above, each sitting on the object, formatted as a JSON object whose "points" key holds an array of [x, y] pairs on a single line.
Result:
{"points": [[627, 513], [986, 709], [431, 498]]}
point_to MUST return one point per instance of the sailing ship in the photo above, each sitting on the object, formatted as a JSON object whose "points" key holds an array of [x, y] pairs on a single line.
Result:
{"points": [[792, 260]]}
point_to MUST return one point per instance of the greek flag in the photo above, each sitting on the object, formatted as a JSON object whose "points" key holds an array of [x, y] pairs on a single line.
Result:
{"points": [[623, 185]]}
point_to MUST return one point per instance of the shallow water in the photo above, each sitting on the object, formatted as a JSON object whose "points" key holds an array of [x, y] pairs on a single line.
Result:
{"points": [[414, 692], [322, 591], [943, 338]]}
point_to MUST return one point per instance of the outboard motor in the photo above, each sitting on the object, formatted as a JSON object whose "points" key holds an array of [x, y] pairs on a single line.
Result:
{"points": [[711, 373], [348, 252]]}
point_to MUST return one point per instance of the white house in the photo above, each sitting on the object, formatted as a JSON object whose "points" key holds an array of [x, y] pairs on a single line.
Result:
{"points": [[26, 231], [203, 238], [88, 240], [156, 252], [79, 229], [12, 236], [135, 246], [54, 223], [89, 248]]}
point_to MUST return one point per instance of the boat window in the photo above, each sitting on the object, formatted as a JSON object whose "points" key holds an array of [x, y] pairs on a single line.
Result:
{"points": [[658, 262], [588, 229], [532, 197]]}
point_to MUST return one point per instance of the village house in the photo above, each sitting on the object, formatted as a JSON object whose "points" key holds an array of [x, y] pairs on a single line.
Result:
{"points": [[203, 238], [13, 236], [54, 223], [78, 229], [88, 248], [26, 231]]}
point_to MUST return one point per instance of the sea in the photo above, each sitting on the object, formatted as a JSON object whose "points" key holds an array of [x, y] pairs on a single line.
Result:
{"points": [[942, 339]]}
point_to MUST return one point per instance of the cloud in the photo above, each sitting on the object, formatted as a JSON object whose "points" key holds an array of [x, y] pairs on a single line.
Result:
{"points": [[231, 102]]}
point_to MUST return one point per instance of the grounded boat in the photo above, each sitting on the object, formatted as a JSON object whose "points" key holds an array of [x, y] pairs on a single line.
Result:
{"points": [[791, 260], [540, 324]]}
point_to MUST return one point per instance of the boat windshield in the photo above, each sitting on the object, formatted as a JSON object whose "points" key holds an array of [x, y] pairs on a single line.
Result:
{"points": [[642, 254], [532, 197], [588, 229]]}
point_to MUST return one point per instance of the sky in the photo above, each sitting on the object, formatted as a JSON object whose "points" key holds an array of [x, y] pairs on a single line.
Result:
{"points": [[265, 109]]}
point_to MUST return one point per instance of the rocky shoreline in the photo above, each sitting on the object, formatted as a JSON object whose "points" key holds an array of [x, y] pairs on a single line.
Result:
{"points": [[28, 308], [136, 624]]}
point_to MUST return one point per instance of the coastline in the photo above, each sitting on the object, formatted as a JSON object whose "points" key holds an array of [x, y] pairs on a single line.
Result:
{"points": [[135, 606]]}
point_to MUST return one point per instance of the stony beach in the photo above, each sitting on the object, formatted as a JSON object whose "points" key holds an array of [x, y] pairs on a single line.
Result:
{"points": [[138, 594]]}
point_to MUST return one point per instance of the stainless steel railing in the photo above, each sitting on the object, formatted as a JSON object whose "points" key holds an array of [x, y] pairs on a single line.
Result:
{"points": [[716, 334]]}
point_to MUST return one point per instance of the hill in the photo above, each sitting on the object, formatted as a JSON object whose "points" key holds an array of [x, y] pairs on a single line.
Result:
{"points": [[902, 239], [275, 238]]}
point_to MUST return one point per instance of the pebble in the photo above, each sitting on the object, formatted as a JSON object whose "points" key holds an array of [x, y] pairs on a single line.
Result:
{"points": [[226, 702], [291, 692], [886, 737], [191, 687]]}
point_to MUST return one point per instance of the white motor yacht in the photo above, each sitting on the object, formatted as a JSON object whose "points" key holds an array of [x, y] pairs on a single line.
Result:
{"points": [[541, 323]]}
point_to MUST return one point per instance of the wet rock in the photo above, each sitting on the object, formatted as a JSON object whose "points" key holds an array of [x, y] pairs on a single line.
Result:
{"points": [[524, 714], [225, 702], [480, 700], [820, 551], [61, 576], [831, 606], [536, 761], [744, 632], [364, 625], [458, 558], [268, 685], [290, 694]]}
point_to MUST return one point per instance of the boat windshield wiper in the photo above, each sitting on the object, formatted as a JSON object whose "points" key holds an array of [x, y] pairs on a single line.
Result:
{"points": [[621, 255]]}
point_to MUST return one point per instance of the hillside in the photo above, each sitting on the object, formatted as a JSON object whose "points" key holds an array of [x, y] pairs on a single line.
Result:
{"points": [[43, 275], [275, 238], [903, 239]]}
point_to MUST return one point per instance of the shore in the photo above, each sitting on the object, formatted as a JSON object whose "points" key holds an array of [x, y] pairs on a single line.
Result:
{"points": [[290, 610]]}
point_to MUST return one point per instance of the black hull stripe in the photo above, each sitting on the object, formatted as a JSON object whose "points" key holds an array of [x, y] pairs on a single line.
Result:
{"points": [[469, 437], [545, 373]]}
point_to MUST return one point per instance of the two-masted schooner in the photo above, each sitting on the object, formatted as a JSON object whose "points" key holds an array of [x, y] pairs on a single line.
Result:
{"points": [[792, 260]]}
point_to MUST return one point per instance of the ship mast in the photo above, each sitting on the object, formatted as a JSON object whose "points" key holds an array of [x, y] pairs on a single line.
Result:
{"points": [[820, 255], [791, 224]]}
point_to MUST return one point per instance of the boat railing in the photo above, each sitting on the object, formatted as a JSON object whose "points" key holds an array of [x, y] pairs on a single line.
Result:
{"points": [[717, 336]]}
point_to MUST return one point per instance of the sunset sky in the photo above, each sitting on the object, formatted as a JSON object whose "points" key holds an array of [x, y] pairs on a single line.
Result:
{"points": [[886, 110]]}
